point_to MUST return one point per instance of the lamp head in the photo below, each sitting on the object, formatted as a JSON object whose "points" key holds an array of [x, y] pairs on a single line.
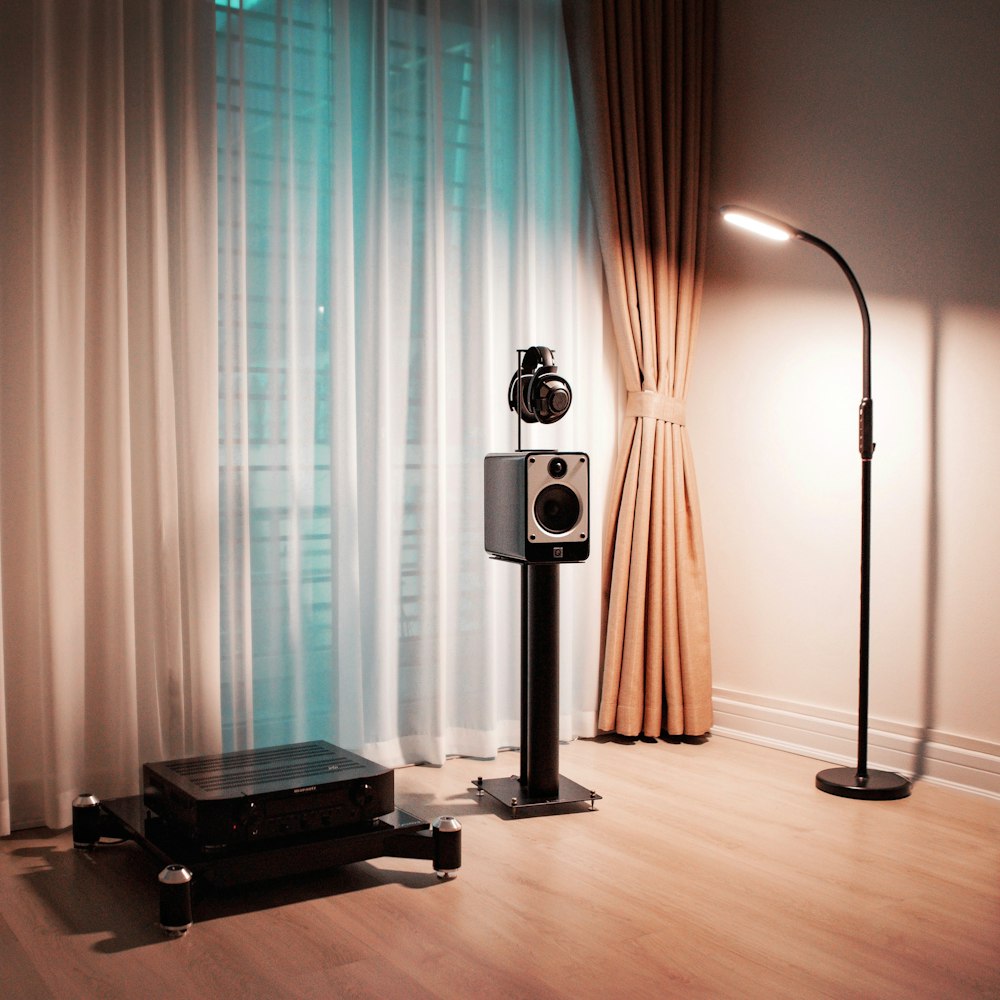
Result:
{"points": [[775, 229], [757, 222]]}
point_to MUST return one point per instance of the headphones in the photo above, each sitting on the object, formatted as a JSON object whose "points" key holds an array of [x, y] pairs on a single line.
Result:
{"points": [[536, 392]]}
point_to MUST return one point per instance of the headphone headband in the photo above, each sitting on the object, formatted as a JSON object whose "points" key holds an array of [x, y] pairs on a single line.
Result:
{"points": [[535, 357]]}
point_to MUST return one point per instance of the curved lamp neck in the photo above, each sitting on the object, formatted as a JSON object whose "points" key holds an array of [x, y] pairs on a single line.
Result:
{"points": [[866, 349]]}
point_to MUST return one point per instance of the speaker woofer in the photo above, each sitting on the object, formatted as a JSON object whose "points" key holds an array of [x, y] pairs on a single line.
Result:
{"points": [[557, 509]]}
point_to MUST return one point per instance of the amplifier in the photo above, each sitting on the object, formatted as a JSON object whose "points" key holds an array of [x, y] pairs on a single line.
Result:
{"points": [[234, 799]]}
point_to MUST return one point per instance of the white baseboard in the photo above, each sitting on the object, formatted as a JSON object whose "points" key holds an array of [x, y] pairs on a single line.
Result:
{"points": [[939, 758]]}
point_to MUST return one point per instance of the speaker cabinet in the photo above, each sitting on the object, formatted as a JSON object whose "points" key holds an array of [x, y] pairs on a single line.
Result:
{"points": [[537, 506]]}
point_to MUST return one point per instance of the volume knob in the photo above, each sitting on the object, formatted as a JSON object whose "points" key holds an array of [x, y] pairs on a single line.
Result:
{"points": [[363, 795]]}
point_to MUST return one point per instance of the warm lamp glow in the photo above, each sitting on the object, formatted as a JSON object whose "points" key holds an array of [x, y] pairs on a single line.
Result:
{"points": [[757, 223]]}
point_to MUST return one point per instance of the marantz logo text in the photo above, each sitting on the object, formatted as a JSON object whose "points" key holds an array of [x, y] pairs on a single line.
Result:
{"points": [[298, 791]]}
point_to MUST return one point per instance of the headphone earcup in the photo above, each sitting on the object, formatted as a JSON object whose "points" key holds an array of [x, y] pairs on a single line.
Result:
{"points": [[520, 401], [549, 397]]}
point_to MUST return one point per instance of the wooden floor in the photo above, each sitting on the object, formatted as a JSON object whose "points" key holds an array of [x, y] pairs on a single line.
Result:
{"points": [[706, 871]]}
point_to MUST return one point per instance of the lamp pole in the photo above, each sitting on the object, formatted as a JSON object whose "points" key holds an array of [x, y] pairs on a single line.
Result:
{"points": [[859, 782]]}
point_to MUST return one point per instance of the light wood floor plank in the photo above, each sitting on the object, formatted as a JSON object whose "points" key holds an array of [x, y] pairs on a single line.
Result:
{"points": [[707, 871]]}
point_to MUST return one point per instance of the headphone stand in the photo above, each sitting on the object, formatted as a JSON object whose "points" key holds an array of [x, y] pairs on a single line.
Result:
{"points": [[539, 789], [520, 394]]}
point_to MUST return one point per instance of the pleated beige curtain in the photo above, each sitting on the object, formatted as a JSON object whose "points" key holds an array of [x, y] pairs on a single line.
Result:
{"points": [[642, 83], [108, 398]]}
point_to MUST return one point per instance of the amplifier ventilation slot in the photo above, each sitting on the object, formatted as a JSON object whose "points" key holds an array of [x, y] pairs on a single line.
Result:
{"points": [[241, 768]]}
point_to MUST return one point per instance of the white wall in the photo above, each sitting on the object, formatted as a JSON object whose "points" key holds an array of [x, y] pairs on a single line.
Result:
{"points": [[873, 125]]}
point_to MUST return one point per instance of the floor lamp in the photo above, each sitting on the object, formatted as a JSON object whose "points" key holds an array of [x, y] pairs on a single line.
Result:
{"points": [[859, 782]]}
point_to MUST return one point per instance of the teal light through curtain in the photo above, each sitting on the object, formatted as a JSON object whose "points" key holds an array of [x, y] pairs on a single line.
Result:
{"points": [[400, 209]]}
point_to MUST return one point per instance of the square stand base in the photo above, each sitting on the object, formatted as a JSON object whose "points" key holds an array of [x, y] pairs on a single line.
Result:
{"points": [[511, 794]]}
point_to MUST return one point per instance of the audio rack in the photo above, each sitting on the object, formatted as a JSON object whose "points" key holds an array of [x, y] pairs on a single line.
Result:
{"points": [[247, 816]]}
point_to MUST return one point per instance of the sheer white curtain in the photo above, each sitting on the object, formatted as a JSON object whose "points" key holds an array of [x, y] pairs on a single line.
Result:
{"points": [[400, 209], [108, 399]]}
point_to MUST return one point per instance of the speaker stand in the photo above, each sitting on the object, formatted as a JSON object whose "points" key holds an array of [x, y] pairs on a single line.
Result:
{"points": [[539, 788]]}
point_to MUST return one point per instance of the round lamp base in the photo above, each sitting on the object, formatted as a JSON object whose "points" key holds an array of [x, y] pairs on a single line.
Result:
{"points": [[844, 781]]}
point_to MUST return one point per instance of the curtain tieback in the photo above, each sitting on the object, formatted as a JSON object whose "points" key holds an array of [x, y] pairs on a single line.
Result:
{"points": [[655, 404]]}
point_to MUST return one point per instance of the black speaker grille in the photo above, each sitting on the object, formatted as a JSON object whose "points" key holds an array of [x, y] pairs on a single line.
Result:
{"points": [[301, 763]]}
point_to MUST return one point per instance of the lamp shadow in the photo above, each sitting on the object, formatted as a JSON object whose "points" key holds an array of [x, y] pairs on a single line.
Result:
{"points": [[932, 578]]}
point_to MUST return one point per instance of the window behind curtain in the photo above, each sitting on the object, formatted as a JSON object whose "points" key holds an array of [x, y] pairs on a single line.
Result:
{"points": [[391, 211]]}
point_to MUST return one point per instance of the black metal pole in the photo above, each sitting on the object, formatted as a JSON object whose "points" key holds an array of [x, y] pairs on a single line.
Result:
{"points": [[524, 675], [542, 668], [866, 532]]}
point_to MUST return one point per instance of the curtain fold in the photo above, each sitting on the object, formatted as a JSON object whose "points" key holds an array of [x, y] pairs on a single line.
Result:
{"points": [[642, 72], [401, 209], [108, 472]]}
